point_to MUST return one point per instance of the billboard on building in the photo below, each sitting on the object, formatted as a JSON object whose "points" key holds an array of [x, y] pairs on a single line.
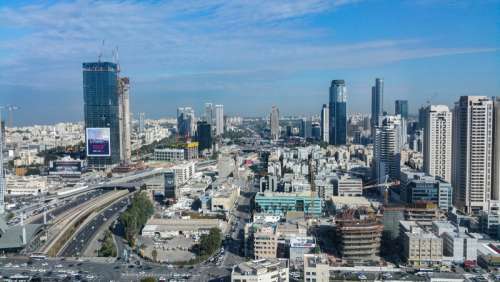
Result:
{"points": [[66, 168], [98, 142]]}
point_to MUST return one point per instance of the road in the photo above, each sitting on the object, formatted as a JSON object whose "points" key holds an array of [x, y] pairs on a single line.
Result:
{"points": [[84, 236]]}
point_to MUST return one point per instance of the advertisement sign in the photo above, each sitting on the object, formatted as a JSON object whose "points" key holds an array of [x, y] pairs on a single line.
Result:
{"points": [[66, 168], [98, 142]]}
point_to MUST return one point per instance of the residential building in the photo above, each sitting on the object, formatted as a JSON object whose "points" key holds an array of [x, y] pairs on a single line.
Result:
{"points": [[438, 141], [387, 148], [472, 153], [183, 172], [325, 125], [347, 186], [420, 247], [219, 120], [495, 188]]}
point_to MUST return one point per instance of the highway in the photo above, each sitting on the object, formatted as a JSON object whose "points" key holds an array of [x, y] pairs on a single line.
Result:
{"points": [[84, 236]]}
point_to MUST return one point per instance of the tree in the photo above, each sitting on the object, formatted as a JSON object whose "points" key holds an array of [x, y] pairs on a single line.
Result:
{"points": [[210, 242], [134, 218], [148, 279]]}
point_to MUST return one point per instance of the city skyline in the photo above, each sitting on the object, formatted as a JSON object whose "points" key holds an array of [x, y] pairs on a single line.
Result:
{"points": [[306, 44]]}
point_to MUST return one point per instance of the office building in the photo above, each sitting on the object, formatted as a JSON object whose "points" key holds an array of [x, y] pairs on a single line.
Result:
{"points": [[377, 102], [306, 128], [338, 113], [401, 108], [281, 203], [387, 148], [171, 190], [316, 131], [347, 186], [219, 120], [101, 111], [358, 233], [424, 188], [421, 118], [438, 144], [325, 125], [124, 108], [459, 245], [269, 270], [204, 136], [274, 121], [420, 247], [472, 153], [185, 122]]}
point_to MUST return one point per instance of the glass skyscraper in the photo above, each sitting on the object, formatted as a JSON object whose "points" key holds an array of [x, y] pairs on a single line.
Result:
{"points": [[401, 108], [338, 113], [101, 109], [377, 102]]}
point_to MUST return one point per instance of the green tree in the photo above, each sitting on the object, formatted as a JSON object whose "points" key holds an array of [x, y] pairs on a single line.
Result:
{"points": [[210, 242], [154, 254], [134, 218], [148, 279]]}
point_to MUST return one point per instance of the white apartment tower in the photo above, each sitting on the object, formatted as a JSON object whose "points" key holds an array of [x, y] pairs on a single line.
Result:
{"points": [[437, 144], [2, 174], [472, 153], [274, 121], [325, 132], [219, 120], [209, 113], [387, 147], [495, 189]]}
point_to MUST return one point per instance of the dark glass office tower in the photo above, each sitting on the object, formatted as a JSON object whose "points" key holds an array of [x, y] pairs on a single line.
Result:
{"points": [[101, 109], [401, 108], [338, 113], [204, 136], [377, 102]]}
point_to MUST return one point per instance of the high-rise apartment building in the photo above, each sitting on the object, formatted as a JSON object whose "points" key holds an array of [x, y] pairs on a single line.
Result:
{"points": [[401, 108], [338, 113], [274, 121], [101, 111], [142, 117], [219, 120], [387, 147], [124, 108], [325, 127], [472, 153], [377, 102], [186, 122], [2, 173], [495, 188], [209, 114], [438, 143]]}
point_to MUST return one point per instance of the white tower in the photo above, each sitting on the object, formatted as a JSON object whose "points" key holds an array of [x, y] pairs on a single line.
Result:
{"points": [[472, 153], [274, 121], [2, 174], [437, 141], [219, 119], [124, 99]]}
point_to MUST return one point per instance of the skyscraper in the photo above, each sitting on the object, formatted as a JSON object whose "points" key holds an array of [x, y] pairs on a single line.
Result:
{"points": [[204, 136], [185, 122], [209, 114], [338, 113], [387, 148], [495, 188], [472, 153], [325, 116], [124, 108], [142, 117], [101, 110], [306, 127], [219, 120], [274, 121], [377, 102], [438, 142], [401, 108]]}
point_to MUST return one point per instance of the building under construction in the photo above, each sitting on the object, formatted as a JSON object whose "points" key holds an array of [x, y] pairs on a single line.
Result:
{"points": [[358, 233]]}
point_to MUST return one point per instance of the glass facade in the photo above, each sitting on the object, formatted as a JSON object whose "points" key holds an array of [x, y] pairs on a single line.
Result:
{"points": [[401, 108], [338, 113], [101, 107]]}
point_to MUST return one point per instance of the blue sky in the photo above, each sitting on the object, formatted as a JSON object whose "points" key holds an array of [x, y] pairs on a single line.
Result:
{"points": [[248, 55]]}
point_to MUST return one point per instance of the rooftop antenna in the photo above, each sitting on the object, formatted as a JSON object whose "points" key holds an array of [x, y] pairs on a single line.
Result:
{"points": [[100, 52]]}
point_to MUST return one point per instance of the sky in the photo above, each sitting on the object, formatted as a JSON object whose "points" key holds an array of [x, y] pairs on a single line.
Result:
{"points": [[247, 55]]}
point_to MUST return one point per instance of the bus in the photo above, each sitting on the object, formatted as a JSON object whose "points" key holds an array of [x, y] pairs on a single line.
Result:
{"points": [[38, 256]]}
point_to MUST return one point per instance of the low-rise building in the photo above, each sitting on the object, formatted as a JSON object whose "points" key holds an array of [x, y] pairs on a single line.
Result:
{"points": [[299, 246], [268, 270], [420, 247], [183, 172], [26, 185], [282, 203], [223, 200], [346, 185], [168, 228]]}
